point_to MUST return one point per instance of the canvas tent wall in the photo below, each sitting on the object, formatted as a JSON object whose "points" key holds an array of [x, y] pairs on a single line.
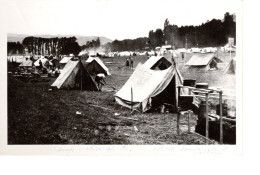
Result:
{"points": [[65, 60], [203, 62], [95, 65], [75, 76], [231, 67], [150, 88]]}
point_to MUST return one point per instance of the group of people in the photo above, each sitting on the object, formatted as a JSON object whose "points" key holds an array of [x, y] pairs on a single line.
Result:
{"points": [[130, 63]]}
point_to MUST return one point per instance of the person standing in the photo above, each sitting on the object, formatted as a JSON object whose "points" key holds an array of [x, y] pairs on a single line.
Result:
{"points": [[131, 63], [40, 65], [127, 62]]}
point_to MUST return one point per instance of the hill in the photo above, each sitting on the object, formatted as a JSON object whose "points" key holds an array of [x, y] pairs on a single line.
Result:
{"points": [[11, 37]]}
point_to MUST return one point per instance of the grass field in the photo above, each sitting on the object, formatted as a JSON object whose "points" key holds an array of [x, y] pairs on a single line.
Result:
{"points": [[39, 116]]}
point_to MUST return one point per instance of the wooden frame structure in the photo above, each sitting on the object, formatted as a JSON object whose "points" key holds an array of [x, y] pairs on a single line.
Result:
{"points": [[206, 92]]}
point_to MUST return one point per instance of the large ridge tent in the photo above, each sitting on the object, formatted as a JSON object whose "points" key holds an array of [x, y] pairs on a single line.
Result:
{"points": [[150, 88], [203, 62], [94, 65], [231, 67], [75, 76]]}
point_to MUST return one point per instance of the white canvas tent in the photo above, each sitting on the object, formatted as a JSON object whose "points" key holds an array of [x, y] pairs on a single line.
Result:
{"points": [[95, 66], [75, 76], [150, 88], [203, 62], [26, 63], [45, 62], [231, 67]]}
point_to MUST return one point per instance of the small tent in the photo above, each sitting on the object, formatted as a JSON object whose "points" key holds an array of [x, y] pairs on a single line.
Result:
{"points": [[150, 88], [26, 63], [95, 65], [203, 62], [231, 67], [45, 62], [75, 76]]}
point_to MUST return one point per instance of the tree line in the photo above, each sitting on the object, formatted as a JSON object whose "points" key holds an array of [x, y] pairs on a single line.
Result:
{"points": [[91, 44], [46, 46], [15, 48], [213, 33]]}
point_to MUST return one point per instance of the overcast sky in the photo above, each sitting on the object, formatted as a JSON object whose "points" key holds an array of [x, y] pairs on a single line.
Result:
{"points": [[115, 19]]}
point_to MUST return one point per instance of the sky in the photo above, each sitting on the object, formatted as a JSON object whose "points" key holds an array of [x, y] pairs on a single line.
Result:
{"points": [[114, 19]]}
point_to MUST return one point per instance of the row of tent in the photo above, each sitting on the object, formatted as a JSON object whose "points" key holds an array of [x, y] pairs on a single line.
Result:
{"points": [[31, 63], [153, 83]]}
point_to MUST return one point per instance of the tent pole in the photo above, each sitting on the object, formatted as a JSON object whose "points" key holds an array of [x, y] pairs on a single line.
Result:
{"points": [[189, 115], [131, 99], [80, 75], [220, 118], [177, 102], [207, 117]]}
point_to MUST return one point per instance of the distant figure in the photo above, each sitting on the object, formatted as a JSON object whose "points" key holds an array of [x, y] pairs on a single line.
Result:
{"points": [[182, 56], [53, 63], [40, 65], [100, 80], [57, 72], [127, 62], [131, 63]]}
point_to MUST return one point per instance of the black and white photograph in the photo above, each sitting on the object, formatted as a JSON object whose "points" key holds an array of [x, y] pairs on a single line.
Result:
{"points": [[106, 73]]}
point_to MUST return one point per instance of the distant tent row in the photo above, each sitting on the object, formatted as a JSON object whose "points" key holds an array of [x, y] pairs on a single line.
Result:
{"points": [[76, 75], [153, 83]]}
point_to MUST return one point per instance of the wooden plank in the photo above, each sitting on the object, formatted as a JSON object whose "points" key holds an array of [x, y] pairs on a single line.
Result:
{"points": [[200, 89], [202, 96]]}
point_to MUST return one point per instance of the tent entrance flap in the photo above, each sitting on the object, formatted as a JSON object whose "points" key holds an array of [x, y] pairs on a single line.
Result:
{"points": [[83, 81], [166, 96]]}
